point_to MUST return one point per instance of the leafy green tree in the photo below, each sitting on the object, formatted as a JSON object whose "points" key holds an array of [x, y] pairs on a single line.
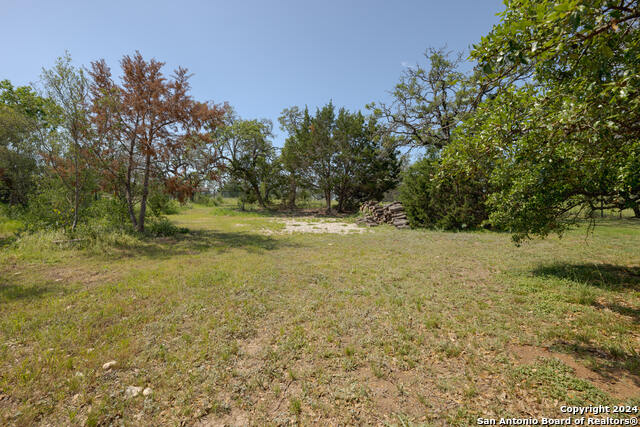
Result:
{"points": [[443, 197], [364, 167], [251, 158], [25, 119], [321, 151], [67, 154], [295, 163], [342, 156], [429, 102], [576, 146]]}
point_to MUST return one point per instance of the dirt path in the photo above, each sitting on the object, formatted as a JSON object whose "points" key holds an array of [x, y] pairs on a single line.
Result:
{"points": [[317, 226]]}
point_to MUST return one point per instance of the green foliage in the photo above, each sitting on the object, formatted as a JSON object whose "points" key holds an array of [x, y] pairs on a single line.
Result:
{"points": [[66, 151], [429, 103], [294, 161], [364, 168], [17, 175], [321, 150], [208, 200], [162, 227], [48, 208], [107, 213], [27, 102], [573, 147], [252, 159], [24, 116], [341, 155], [7, 225], [161, 203], [434, 199]]}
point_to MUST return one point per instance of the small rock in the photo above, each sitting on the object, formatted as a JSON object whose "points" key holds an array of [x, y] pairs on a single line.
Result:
{"points": [[79, 374], [132, 391], [110, 364], [147, 391], [75, 398]]}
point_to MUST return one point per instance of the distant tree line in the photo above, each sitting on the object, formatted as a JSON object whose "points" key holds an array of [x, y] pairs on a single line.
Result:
{"points": [[542, 131], [87, 148]]}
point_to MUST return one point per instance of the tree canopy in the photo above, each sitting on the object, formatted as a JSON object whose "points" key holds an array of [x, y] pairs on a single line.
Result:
{"points": [[575, 143]]}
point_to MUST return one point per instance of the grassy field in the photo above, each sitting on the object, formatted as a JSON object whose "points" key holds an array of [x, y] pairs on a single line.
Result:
{"points": [[237, 323]]}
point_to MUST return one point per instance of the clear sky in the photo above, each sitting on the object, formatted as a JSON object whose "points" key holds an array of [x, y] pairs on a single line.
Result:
{"points": [[260, 56]]}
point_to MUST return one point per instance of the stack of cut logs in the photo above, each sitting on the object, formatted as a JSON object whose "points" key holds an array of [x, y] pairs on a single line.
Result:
{"points": [[374, 214]]}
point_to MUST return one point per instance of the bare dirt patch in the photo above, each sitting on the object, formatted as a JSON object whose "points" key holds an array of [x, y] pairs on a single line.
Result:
{"points": [[620, 386], [317, 226]]}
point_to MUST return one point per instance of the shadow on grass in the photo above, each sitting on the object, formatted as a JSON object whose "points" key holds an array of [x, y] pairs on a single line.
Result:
{"points": [[7, 240], [197, 241], [625, 311], [600, 275], [608, 362], [283, 213], [13, 292]]}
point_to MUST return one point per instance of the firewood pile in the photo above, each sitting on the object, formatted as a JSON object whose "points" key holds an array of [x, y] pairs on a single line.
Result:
{"points": [[374, 214]]}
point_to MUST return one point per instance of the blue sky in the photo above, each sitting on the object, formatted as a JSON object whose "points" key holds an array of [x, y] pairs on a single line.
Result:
{"points": [[260, 56]]}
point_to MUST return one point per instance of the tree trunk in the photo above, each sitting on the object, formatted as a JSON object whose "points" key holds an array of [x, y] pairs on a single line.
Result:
{"points": [[256, 190], [127, 186], [292, 193], [327, 199], [76, 195], [145, 193], [130, 210], [636, 210]]}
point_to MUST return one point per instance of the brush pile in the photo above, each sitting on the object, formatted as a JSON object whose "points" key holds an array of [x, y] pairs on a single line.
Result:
{"points": [[374, 214]]}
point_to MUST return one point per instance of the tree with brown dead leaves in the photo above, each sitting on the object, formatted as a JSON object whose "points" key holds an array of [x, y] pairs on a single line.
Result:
{"points": [[148, 127]]}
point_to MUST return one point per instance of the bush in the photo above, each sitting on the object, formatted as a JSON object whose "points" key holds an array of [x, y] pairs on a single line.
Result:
{"points": [[8, 225], [162, 227], [48, 207], [107, 212], [208, 200], [161, 203], [437, 197]]}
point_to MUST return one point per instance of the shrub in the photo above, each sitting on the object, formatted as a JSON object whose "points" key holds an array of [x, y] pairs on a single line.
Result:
{"points": [[444, 198], [48, 207], [161, 203], [208, 200], [162, 227], [107, 212]]}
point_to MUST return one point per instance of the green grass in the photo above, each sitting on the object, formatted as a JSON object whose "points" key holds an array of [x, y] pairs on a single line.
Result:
{"points": [[227, 324], [9, 226]]}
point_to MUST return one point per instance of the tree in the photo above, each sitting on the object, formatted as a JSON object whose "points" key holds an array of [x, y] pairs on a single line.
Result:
{"points": [[250, 155], [68, 87], [343, 156], [191, 166], [577, 145], [145, 119], [429, 103], [297, 124], [364, 167], [25, 118], [321, 150]]}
